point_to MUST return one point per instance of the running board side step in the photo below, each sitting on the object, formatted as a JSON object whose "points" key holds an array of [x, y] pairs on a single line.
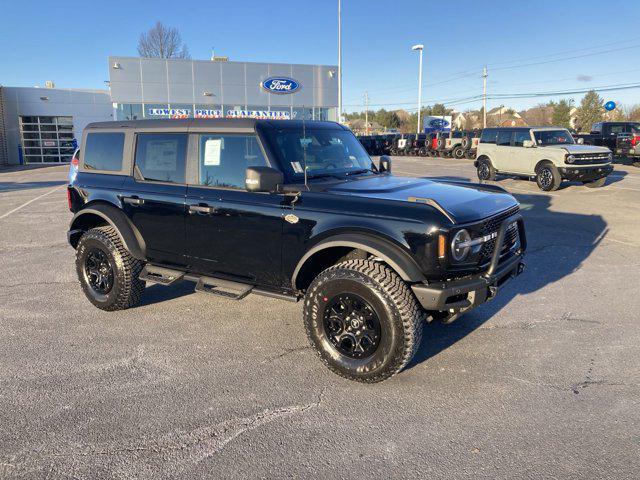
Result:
{"points": [[160, 275], [223, 288]]}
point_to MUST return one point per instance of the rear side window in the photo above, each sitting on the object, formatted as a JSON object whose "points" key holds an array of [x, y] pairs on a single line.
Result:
{"points": [[520, 136], [504, 138], [488, 135], [161, 157], [225, 158], [103, 151]]}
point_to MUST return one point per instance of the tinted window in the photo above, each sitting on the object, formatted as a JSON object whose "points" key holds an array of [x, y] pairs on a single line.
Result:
{"points": [[504, 138], [520, 136], [161, 156], [553, 137], [618, 128], [596, 128], [488, 135], [103, 151], [225, 158]]}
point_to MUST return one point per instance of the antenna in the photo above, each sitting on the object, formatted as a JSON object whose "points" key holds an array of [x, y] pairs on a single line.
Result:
{"points": [[304, 151]]}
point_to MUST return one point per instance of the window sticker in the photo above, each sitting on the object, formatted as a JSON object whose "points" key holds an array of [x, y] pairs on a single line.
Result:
{"points": [[212, 149], [161, 155], [296, 167]]}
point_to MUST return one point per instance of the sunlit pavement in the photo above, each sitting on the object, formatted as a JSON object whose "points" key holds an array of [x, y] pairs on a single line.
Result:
{"points": [[542, 382]]}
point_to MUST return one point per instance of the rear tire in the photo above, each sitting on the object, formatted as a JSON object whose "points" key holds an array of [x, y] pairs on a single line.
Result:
{"points": [[107, 271], [470, 155], [458, 152], [595, 183], [548, 177], [362, 305]]}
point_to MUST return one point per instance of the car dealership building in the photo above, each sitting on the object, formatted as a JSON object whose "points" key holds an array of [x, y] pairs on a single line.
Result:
{"points": [[41, 125]]}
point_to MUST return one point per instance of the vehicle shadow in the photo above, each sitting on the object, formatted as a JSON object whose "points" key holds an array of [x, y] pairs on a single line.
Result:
{"points": [[160, 293], [17, 186], [558, 244]]}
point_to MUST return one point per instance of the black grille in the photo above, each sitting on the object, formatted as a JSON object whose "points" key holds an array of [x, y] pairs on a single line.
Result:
{"points": [[590, 158], [493, 225]]}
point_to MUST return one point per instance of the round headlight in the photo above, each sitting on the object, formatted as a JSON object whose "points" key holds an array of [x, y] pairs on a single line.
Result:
{"points": [[570, 158], [459, 252]]}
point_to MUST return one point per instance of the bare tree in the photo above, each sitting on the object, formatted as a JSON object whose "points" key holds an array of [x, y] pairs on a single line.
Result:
{"points": [[162, 42]]}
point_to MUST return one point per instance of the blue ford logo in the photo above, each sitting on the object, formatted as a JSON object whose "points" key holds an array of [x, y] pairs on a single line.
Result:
{"points": [[438, 123], [280, 85]]}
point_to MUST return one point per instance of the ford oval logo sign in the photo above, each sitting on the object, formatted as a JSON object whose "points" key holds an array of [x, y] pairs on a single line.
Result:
{"points": [[280, 85], [438, 123]]}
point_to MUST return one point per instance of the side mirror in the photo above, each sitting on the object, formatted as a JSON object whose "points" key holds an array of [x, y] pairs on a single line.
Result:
{"points": [[263, 179], [528, 144], [385, 164], [580, 141]]}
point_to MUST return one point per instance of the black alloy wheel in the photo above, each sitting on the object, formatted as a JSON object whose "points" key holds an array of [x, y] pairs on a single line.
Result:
{"points": [[98, 271], [352, 325]]}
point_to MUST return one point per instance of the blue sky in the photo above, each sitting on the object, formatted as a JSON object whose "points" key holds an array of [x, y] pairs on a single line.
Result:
{"points": [[69, 42]]}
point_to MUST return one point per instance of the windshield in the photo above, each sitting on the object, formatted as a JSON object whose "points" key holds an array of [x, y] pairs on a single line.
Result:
{"points": [[324, 152], [553, 137]]}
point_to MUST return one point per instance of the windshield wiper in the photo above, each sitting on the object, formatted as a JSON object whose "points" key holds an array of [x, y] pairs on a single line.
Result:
{"points": [[324, 175], [358, 172]]}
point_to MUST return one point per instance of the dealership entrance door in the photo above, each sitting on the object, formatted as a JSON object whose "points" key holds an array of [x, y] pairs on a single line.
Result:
{"points": [[46, 139]]}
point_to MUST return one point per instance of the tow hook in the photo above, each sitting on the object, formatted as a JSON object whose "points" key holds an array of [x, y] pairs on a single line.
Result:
{"points": [[521, 267]]}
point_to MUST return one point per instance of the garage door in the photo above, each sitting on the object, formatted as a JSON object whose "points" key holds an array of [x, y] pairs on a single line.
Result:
{"points": [[46, 139]]}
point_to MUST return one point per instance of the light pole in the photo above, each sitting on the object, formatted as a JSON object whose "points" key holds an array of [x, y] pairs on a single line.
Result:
{"points": [[419, 47]]}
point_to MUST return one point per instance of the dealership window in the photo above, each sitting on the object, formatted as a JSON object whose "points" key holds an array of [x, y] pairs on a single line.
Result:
{"points": [[103, 151], [47, 139], [225, 158], [161, 156], [300, 113], [129, 111]]}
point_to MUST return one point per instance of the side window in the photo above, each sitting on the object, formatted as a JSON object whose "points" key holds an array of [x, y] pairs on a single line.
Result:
{"points": [[488, 135], [617, 129], [103, 151], [596, 128], [520, 136], [224, 159], [504, 138], [161, 156]]}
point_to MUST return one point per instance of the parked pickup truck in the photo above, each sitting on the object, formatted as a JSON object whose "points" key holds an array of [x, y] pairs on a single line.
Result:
{"points": [[292, 210], [622, 138]]}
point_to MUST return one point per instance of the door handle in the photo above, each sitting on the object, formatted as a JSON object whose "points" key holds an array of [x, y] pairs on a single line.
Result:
{"points": [[133, 200], [202, 208]]}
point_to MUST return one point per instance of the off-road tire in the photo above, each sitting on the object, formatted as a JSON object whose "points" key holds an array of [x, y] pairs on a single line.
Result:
{"points": [[458, 152], [485, 170], [466, 143], [595, 183], [127, 288], [422, 152], [548, 177], [470, 155], [401, 318]]}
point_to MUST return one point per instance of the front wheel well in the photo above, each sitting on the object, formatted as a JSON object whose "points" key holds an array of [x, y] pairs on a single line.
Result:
{"points": [[540, 164], [324, 259]]}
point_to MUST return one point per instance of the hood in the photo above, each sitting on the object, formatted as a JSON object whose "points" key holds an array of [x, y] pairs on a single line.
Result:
{"points": [[461, 202], [576, 148]]}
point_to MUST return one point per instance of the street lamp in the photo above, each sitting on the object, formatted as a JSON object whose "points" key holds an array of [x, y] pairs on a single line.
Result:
{"points": [[420, 48]]}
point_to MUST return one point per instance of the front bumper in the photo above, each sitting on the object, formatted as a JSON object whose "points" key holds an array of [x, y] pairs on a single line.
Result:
{"points": [[576, 174], [461, 295]]}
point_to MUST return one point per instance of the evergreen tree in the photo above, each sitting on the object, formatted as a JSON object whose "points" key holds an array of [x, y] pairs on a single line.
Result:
{"points": [[562, 113], [590, 111]]}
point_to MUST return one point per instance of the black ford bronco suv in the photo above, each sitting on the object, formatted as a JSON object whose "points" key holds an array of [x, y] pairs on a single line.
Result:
{"points": [[294, 210]]}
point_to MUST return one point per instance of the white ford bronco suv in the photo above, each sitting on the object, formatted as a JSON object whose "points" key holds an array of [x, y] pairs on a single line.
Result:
{"points": [[549, 154]]}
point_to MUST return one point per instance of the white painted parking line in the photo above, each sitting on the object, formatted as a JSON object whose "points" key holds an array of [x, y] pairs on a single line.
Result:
{"points": [[30, 202]]}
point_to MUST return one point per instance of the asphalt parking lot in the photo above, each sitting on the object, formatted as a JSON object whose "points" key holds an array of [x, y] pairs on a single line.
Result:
{"points": [[542, 382]]}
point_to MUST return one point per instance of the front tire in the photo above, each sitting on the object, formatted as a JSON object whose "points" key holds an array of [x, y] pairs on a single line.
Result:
{"points": [[363, 320], [458, 152], [107, 271], [595, 183], [485, 170], [548, 178]]}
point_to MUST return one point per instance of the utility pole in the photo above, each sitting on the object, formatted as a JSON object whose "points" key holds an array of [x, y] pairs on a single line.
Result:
{"points": [[339, 61], [419, 48], [366, 112], [484, 97]]}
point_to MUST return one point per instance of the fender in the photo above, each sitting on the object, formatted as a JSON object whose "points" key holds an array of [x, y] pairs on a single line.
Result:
{"points": [[127, 232], [393, 255]]}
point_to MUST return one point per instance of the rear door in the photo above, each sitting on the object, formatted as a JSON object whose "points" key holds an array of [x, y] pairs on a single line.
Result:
{"points": [[503, 158], [154, 197], [231, 232]]}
